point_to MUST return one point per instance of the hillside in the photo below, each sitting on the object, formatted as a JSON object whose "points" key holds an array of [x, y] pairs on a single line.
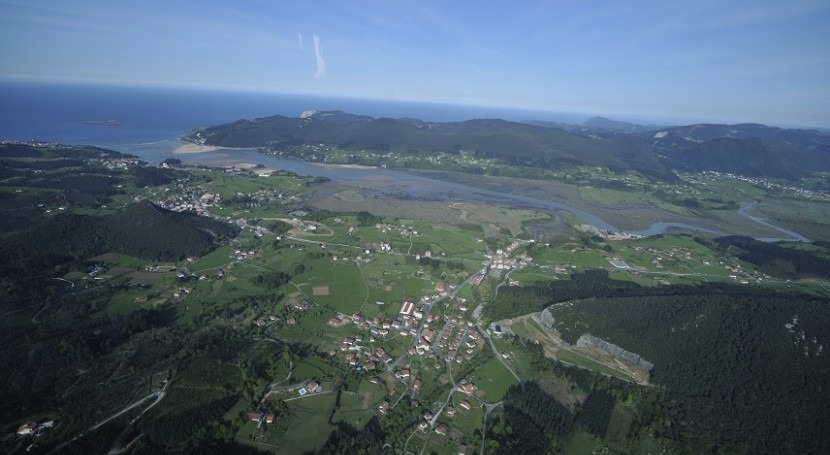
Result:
{"points": [[512, 143], [142, 230], [754, 150], [746, 371]]}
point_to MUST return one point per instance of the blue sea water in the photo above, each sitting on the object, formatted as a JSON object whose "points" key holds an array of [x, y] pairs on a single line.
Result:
{"points": [[152, 119]]}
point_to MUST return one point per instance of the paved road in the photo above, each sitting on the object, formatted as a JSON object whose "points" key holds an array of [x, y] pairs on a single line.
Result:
{"points": [[158, 395]]}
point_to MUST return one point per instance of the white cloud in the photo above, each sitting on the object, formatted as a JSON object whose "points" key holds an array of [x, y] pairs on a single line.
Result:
{"points": [[302, 48], [321, 63]]}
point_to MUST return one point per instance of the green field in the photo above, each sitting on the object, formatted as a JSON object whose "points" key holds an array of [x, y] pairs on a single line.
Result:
{"points": [[494, 379], [583, 443], [607, 196], [358, 406]]}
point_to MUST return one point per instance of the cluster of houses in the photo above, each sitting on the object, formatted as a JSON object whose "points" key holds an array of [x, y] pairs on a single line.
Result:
{"points": [[460, 341], [184, 198], [241, 255], [119, 163], [502, 260], [260, 322], [363, 357], [428, 418], [456, 339], [770, 185], [407, 323], [260, 417], [181, 292], [672, 253], [310, 388]]}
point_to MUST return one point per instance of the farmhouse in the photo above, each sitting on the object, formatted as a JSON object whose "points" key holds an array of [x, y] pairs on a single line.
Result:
{"points": [[402, 374]]}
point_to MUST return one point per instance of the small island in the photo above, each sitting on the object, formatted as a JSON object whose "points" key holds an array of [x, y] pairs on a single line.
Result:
{"points": [[111, 122]]}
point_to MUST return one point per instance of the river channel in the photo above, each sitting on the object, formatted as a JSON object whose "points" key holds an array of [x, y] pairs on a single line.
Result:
{"points": [[407, 185]]}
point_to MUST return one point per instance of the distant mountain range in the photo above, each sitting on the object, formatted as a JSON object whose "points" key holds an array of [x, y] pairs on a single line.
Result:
{"points": [[745, 149]]}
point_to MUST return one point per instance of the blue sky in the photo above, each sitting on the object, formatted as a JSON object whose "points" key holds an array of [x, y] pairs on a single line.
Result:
{"points": [[737, 61]]}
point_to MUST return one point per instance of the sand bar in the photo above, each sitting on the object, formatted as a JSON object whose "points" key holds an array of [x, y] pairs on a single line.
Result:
{"points": [[190, 147]]}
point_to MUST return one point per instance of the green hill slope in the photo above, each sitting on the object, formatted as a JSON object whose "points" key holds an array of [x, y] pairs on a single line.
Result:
{"points": [[755, 150], [744, 373], [142, 229]]}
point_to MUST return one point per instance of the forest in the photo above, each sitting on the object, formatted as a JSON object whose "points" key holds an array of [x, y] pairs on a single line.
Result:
{"points": [[746, 372], [778, 260], [753, 150]]}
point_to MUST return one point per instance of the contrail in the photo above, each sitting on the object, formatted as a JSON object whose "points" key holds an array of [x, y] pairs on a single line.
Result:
{"points": [[321, 64], [302, 48]]}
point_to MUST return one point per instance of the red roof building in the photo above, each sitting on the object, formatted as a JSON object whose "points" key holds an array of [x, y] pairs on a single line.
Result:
{"points": [[407, 308]]}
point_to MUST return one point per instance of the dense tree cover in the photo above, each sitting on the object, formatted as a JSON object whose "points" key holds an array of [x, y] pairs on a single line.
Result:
{"points": [[775, 259], [155, 176], [19, 150], [60, 348], [202, 447], [143, 230], [98, 441], [276, 226], [171, 162], [751, 157], [189, 423], [516, 301], [346, 440], [535, 422], [365, 218], [744, 373], [83, 183], [596, 412], [43, 165], [514, 143], [531, 412], [272, 280], [741, 149]]}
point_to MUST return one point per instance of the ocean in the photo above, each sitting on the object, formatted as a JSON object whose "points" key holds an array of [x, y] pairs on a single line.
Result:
{"points": [[151, 120]]}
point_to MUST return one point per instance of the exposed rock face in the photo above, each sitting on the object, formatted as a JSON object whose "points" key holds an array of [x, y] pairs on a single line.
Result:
{"points": [[547, 318], [590, 341]]}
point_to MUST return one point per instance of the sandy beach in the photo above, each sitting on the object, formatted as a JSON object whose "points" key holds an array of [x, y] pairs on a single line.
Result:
{"points": [[345, 166], [189, 147]]}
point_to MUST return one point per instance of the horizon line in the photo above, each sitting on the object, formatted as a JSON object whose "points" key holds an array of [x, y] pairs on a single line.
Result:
{"points": [[661, 120]]}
